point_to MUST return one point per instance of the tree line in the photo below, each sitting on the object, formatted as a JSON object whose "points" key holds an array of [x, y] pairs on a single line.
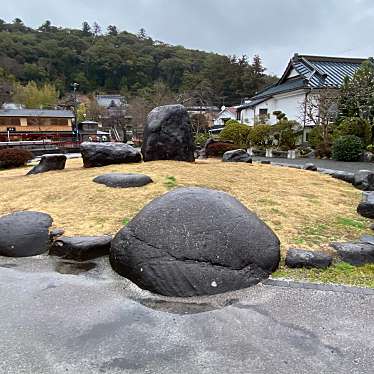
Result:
{"points": [[116, 61]]}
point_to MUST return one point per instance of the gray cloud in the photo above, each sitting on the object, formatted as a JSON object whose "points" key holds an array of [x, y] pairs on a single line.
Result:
{"points": [[275, 29]]}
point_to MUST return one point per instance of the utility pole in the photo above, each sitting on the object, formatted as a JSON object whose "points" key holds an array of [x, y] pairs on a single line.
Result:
{"points": [[75, 88]]}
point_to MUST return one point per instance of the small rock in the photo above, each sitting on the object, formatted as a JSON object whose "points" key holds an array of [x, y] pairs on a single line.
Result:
{"points": [[237, 155], [298, 258], [56, 232], [168, 135], [310, 167], [81, 248], [49, 163], [368, 239], [343, 175], [366, 206], [102, 154], [24, 234], [120, 180], [364, 180], [355, 253], [265, 162]]}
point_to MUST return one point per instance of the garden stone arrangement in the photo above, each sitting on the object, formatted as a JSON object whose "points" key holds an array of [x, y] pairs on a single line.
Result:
{"points": [[356, 253], [24, 234], [49, 163], [299, 258], [165, 250], [237, 155], [120, 180], [168, 135], [102, 154]]}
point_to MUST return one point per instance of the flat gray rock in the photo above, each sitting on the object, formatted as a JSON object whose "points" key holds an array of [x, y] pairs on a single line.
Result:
{"points": [[49, 163], [24, 234], [120, 180], [195, 241], [81, 248], [237, 155], [358, 253], [299, 258], [102, 154]]}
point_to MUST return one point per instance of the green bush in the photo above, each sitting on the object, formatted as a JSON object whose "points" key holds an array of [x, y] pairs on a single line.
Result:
{"points": [[14, 157], [355, 126], [286, 132], [261, 135], [237, 133], [201, 138], [347, 148], [370, 148]]}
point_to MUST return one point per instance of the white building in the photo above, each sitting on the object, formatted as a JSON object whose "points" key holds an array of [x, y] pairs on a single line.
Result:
{"points": [[304, 76], [223, 116]]}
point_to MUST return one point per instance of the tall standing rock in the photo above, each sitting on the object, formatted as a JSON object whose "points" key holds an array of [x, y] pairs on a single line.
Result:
{"points": [[168, 135], [195, 241]]}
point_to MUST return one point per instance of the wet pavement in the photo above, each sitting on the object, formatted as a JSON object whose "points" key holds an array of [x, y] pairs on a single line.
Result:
{"points": [[351, 167], [59, 316]]}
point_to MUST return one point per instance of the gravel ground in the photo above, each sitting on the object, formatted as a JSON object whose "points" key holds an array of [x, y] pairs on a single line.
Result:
{"points": [[327, 164], [54, 319]]}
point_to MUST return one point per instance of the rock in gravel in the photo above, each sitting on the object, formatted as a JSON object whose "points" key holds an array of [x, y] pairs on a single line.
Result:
{"points": [[299, 258], [265, 162], [24, 234], [237, 155], [49, 163], [168, 135], [310, 167], [364, 180], [357, 253], [120, 180], [81, 248], [195, 241], [56, 233], [366, 206], [102, 154]]}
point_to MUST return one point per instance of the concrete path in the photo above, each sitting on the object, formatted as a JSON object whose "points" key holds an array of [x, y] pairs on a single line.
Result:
{"points": [[326, 164], [53, 321]]}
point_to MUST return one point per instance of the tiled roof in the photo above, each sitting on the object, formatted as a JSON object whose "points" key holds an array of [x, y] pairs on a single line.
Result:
{"points": [[36, 113], [314, 72]]}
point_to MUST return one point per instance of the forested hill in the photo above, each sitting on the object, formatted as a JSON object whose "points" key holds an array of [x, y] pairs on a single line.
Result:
{"points": [[111, 61]]}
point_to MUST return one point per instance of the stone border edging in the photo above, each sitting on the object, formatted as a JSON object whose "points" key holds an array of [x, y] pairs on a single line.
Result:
{"points": [[319, 286]]}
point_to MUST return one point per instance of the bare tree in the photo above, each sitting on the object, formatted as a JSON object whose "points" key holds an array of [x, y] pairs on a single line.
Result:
{"points": [[320, 108]]}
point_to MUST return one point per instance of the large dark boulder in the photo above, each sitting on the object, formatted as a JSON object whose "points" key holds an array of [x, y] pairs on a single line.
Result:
{"points": [[299, 258], [366, 206], [81, 248], [102, 154], [168, 135], [120, 180], [237, 155], [358, 253], [48, 163], [24, 234], [195, 241], [364, 180]]}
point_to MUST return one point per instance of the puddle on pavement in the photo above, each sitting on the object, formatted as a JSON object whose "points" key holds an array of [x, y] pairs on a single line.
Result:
{"points": [[74, 268], [175, 307]]}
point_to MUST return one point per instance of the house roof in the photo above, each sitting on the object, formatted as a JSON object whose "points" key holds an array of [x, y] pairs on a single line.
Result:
{"points": [[312, 72], [36, 113]]}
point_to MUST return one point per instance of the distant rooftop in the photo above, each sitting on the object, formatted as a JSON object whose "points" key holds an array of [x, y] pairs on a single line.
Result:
{"points": [[36, 113]]}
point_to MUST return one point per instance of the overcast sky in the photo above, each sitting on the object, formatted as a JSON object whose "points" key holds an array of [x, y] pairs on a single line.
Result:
{"points": [[274, 29]]}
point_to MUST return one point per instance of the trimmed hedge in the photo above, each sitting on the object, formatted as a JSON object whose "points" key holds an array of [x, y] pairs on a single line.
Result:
{"points": [[14, 157], [347, 148]]}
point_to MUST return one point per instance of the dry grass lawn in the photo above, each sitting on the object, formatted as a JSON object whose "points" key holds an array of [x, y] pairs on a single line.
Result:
{"points": [[305, 209]]}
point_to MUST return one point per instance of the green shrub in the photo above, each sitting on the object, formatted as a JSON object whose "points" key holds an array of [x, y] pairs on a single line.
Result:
{"points": [[370, 148], [315, 137], [237, 133], [347, 148], [261, 135], [201, 138], [14, 157], [355, 126], [286, 132]]}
